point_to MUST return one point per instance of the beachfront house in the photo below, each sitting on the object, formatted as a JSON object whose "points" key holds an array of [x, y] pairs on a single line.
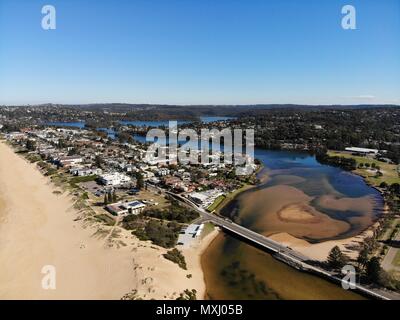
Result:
{"points": [[125, 208]]}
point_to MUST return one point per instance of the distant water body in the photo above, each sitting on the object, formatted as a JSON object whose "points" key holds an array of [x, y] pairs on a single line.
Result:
{"points": [[205, 119], [81, 124]]}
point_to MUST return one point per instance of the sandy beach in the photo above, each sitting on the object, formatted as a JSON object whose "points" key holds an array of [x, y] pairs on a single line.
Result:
{"points": [[40, 228], [320, 251]]}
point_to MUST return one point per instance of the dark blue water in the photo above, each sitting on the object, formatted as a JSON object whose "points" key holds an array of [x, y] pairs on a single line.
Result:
{"points": [[77, 124], [165, 123], [303, 165]]}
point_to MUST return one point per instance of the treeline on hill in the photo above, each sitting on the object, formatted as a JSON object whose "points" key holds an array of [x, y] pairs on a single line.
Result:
{"points": [[304, 127], [330, 127]]}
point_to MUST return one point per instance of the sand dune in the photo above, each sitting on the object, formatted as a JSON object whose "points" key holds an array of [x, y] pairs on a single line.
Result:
{"points": [[37, 228]]}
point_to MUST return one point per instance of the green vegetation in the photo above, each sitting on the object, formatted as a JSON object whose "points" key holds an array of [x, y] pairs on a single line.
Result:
{"points": [[188, 295], [369, 168], [373, 270], [231, 196], [175, 212], [345, 163], [139, 181], [110, 197], [33, 157], [30, 145], [396, 260], [177, 257], [163, 234], [47, 169], [107, 220], [216, 203], [131, 296], [75, 180], [336, 259]]}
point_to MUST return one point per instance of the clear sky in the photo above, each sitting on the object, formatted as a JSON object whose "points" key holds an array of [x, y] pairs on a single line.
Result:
{"points": [[200, 52]]}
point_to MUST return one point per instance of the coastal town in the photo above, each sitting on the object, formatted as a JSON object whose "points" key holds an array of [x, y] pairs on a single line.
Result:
{"points": [[113, 185], [199, 159], [166, 203]]}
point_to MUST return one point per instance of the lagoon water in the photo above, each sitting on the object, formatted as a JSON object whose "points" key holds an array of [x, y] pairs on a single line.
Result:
{"points": [[337, 203], [76, 124], [299, 196]]}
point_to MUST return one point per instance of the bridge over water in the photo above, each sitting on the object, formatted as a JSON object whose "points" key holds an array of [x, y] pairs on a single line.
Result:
{"points": [[280, 251]]}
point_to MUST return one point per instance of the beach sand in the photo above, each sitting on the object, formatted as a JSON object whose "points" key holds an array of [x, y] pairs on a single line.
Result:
{"points": [[320, 251], [39, 228]]}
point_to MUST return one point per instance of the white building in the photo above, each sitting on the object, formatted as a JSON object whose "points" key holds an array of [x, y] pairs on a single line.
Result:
{"points": [[124, 208], [70, 161], [114, 179], [162, 172], [363, 151], [205, 198], [84, 172]]}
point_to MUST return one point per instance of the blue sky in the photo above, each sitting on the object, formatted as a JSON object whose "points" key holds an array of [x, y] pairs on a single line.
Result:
{"points": [[200, 52]]}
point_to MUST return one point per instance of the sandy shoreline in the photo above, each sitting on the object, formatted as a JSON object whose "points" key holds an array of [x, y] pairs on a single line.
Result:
{"points": [[320, 251], [39, 228]]}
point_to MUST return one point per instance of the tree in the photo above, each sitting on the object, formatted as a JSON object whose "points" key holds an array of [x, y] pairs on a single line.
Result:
{"points": [[362, 258], [125, 137], [30, 145], [383, 185], [187, 295], [373, 270], [139, 181], [110, 198], [336, 259], [395, 188], [378, 174], [114, 196], [98, 161], [105, 199]]}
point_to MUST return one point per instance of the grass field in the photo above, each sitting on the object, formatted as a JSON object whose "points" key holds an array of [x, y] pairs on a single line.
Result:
{"points": [[216, 203], [396, 260], [389, 171]]}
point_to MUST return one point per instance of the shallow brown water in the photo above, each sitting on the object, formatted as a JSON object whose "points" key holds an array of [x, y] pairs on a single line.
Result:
{"points": [[243, 272]]}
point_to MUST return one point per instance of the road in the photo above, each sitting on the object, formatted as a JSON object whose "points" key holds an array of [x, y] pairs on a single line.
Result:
{"points": [[387, 262], [280, 251]]}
